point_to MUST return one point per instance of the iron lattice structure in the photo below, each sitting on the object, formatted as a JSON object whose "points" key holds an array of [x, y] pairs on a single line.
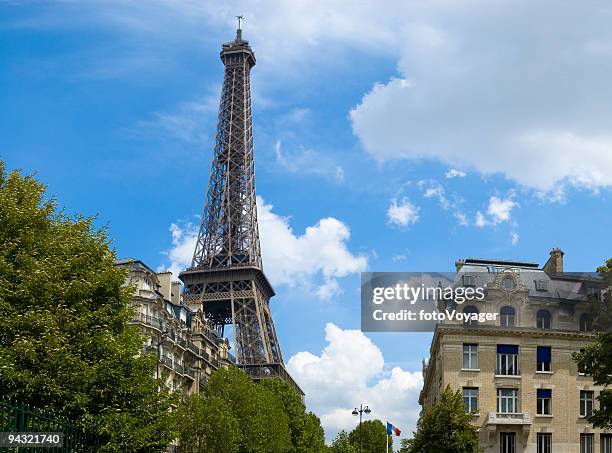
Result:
{"points": [[226, 277]]}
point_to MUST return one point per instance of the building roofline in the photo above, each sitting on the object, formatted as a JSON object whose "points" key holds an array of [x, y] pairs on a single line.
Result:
{"points": [[502, 262]]}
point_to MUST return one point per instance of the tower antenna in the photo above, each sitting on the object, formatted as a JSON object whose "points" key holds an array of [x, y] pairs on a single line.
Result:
{"points": [[239, 30]]}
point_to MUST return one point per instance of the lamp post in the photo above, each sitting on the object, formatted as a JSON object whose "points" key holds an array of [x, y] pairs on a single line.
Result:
{"points": [[362, 410]]}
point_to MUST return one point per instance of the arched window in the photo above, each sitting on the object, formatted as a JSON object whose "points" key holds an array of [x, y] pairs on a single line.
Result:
{"points": [[507, 315], [543, 319], [470, 309], [586, 323]]}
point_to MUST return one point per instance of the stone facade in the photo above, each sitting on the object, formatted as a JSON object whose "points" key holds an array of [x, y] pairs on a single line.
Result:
{"points": [[188, 350], [517, 372]]}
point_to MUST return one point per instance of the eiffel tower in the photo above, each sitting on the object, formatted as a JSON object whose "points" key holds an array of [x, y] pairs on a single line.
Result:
{"points": [[226, 277]]}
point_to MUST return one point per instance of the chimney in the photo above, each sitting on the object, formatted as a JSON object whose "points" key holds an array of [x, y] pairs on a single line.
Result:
{"points": [[459, 264], [164, 284], [554, 265], [175, 296]]}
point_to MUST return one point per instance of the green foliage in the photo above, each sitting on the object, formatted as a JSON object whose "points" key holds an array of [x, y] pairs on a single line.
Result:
{"points": [[406, 446], [263, 422], [596, 360], [445, 427], [207, 424], [342, 444], [306, 433], [371, 436], [64, 339]]}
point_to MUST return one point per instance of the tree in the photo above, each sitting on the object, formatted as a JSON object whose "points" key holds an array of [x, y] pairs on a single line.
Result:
{"points": [[342, 444], [596, 360], [406, 446], [65, 342], [371, 436], [445, 427], [262, 420], [307, 435], [207, 424]]}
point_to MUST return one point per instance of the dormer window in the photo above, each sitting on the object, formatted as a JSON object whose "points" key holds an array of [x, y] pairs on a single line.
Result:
{"points": [[469, 280], [541, 285]]}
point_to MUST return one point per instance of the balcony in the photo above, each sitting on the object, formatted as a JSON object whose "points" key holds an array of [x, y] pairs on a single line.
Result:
{"points": [[150, 321], [507, 419]]}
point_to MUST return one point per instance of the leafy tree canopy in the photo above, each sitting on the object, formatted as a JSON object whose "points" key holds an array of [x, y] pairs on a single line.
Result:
{"points": [[207, 424], [342, 444], [445, 427], [263, 422], [306, 432], [596, 360], [65, 343], [371, 436]]}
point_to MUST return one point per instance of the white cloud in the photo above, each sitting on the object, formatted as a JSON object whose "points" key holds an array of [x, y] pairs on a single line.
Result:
{"points": [[480, 220], [453, 173], [433, 189], [403, 213], [313, 260], [498, 211], [329, 289], [514, 237], [295, 259], [503, 104], [349, 370], [184, 239]]}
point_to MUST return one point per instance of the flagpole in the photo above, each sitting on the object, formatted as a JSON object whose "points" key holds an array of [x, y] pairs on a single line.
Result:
{"points": [[387, 450]]}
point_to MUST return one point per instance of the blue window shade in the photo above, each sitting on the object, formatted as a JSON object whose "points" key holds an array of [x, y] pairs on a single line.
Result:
{"points": [[507, 349], [544, 354], [544, 393]]}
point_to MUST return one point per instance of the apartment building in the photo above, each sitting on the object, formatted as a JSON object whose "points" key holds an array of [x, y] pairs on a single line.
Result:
{"points": [[187, 348], [517, 375]]}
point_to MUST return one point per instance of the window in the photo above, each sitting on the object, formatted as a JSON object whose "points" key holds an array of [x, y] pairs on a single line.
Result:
{"points": [[544, 358], [544, 402], [469, 280], [470, 399], [586, 403], [508, 283], [507, 401], [541, 285], [469, 309], [470, 357], [507, 315], [606, 443], [507, 443], [586, 323], [544, 442], [587, 443], [543, 319], [507, 360]]}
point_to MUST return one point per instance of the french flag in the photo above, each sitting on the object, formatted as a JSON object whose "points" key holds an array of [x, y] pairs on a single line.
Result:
{"points": [[393, 429]]}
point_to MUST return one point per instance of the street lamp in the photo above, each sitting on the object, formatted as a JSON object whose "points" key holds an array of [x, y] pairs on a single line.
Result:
{"points": [[362, 410]]}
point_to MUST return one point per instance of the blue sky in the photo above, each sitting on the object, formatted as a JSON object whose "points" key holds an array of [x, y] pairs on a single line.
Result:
{"points": [[360, 114]]}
